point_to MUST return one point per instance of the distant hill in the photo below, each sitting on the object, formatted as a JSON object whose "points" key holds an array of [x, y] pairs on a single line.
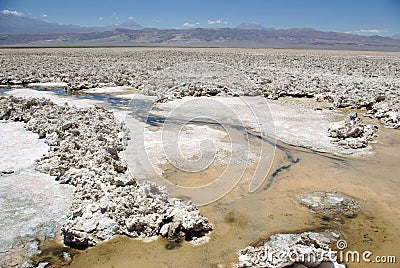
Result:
{"points": [[131, 25], [250, 26], [18, 30], [19, 24], [396, 36], [218, 37]]}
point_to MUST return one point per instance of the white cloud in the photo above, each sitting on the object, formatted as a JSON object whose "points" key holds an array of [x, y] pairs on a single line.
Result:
{"points": [[372, 31], [11, 12], [130, 18], [218, 21], [187, 24], [43, 15], [100, 18]]}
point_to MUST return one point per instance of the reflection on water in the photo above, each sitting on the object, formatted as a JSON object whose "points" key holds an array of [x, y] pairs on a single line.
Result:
{"points": [[56, 91], [2, 90], [109, 99]]}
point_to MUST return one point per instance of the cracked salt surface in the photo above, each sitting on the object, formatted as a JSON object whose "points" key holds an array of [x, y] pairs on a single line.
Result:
{"points": [[192, 137], [291, 122], [33, 204], [308, 128]]}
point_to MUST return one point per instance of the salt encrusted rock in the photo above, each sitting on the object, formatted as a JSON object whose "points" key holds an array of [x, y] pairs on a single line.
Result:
{"points": [[331, 205], [137, 211], [308, 249], [387, 112], [84, 146], [352, 132], [80, 240]]}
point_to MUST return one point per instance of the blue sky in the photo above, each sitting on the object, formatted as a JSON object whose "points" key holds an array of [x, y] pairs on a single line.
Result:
{"points": [[360, 17]]}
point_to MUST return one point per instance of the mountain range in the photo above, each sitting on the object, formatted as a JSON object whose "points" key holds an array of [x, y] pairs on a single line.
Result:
{"points": [[19, 30], [19, 24]]}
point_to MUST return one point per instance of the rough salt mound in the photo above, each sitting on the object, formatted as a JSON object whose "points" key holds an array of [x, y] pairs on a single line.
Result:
{"points": [[133, 210], [197, 79], [331, 205], [85, 146], [388, 113], [352, 132], [309, 249]]}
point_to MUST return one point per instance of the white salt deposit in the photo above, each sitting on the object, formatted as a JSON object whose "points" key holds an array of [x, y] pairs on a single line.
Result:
{"points": [[19, 148], [289, 122], [32, 204]]}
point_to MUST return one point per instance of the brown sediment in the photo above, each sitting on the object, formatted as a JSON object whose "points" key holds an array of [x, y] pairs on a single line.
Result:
{"points": [[191, 179], [54, 252]]}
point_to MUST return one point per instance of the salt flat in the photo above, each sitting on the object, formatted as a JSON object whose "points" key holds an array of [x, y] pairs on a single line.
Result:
{"points": [[242, 132]]}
